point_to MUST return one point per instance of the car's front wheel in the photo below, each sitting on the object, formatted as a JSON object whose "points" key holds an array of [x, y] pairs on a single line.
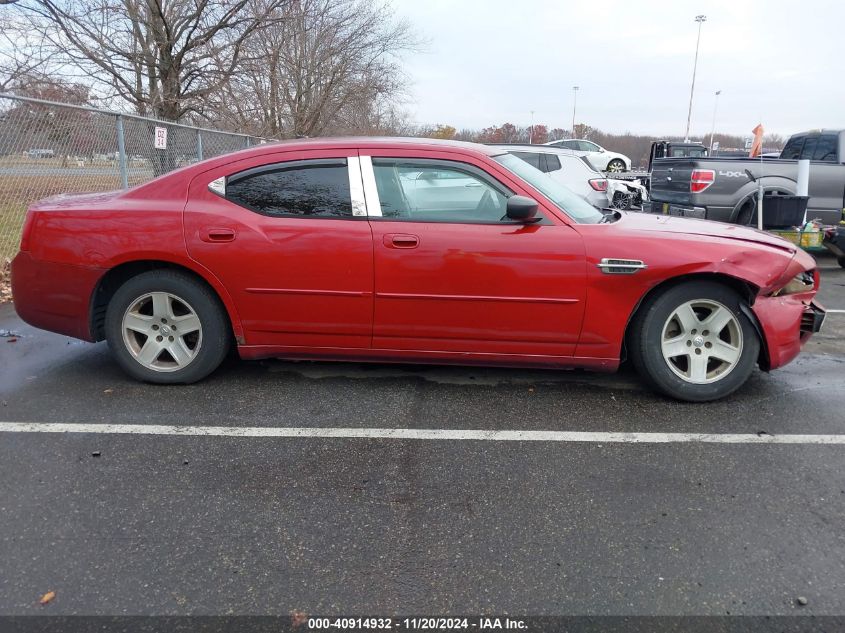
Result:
{"points": [[693, 342], [163, 326]]}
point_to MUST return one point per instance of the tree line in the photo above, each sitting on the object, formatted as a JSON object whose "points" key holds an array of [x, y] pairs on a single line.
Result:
{"points": [[636, 146]]}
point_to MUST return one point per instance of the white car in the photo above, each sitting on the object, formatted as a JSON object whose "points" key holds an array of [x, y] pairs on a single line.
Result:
{"points": [[566, 167], [598, 156]]}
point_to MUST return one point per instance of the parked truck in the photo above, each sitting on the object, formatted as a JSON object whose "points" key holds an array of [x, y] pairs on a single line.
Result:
{"points": [[725, 189]]}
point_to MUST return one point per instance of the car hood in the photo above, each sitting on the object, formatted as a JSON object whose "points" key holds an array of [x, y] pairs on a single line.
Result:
{"points": [[706, 228]]}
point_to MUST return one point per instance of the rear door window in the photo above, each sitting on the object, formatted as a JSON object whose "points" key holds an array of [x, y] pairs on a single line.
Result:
{"points": [[552, 162], [827, 148], [318, 188], [532, 158], [809, 148]]}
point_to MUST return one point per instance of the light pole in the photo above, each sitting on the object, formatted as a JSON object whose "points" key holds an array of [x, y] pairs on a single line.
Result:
{"points": [[713, 128], [531, 136], [574, 103], [700, 19]]}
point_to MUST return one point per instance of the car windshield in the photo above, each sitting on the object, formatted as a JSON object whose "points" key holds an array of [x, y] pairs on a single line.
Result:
{"points": [[564, 198]]}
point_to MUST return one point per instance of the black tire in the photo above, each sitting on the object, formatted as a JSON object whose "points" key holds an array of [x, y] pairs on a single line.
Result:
{"points": [[622, 201], [645, 339], [211, 343], [747, 214], [841, 261], [618, 163]]}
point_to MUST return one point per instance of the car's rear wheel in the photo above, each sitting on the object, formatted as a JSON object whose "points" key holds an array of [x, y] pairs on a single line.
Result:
{"points": [[616, 165], [165, 327], [693, 342]]}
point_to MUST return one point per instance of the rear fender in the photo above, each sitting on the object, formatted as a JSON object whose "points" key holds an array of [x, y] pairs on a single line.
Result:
{"points": [[168, 259]]}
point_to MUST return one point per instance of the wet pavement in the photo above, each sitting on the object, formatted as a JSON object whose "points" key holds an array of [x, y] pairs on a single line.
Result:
{"points": [[140, 524]]}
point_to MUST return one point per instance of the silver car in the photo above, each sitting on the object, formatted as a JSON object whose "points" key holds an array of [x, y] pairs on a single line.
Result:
{"points": [[567, 168]]}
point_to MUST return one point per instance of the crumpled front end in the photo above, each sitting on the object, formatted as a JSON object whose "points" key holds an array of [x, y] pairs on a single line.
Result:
{"points": [[788, 313]]}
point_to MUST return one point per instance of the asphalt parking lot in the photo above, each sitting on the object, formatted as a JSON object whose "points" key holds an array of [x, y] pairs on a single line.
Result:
{"points": [[138, 523]]}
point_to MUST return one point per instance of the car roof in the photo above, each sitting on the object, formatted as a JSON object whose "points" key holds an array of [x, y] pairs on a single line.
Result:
{"points": [[533, 147], [381, 142], [821, 131], [321, 143]]}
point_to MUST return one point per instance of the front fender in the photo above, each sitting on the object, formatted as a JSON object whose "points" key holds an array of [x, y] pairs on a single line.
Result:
{"points": [[612, 299]]}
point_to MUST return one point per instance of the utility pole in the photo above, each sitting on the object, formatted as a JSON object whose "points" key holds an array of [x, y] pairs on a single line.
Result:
{"points": [[713, 128], [531, 137], [700, 19], [574, 103]]}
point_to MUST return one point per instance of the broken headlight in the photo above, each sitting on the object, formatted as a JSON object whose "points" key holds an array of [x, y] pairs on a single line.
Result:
{"points": [[802, 282]]}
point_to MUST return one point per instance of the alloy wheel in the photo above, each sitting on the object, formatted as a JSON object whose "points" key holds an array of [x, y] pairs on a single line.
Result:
{"points": [[162, 331], [702, 341]]}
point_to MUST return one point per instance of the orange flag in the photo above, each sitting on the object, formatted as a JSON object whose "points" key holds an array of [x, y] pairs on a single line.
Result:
{"points": [[757, 145]]}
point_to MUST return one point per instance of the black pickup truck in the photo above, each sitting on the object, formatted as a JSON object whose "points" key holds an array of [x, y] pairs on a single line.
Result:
{"points": [[725, 189]]}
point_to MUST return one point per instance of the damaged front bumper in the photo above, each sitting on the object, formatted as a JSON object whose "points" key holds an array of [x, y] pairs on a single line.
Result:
{"points": [[787, 322]]}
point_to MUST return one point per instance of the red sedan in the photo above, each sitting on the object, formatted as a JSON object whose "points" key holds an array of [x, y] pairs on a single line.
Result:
{"points": [[407, 250]]}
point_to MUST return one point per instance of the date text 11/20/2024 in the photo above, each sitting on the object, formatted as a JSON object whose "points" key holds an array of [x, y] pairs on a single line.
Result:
{"points": [[421, 623]]}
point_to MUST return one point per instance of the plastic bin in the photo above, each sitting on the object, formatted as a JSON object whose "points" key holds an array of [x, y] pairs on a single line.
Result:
{"points": [[780, 212], [804, 239]]}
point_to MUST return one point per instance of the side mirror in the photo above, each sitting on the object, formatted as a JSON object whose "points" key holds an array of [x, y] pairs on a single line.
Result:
{"points": [[522, 209], [602, 150]]}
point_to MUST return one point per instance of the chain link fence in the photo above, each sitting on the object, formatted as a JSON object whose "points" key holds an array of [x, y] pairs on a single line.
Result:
{"points": [[47, 148]]}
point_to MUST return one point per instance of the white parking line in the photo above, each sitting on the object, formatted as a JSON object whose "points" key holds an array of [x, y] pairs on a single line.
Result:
{"points": [[835, 311], [422, 434]]}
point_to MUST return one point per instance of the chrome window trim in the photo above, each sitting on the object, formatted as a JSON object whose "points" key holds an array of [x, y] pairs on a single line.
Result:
{"points": [[356, 187], [218, 186], [370, 190]]}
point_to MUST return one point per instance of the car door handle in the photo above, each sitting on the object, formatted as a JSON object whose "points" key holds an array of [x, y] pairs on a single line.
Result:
{"points": [[218, 235], [401, 240]]}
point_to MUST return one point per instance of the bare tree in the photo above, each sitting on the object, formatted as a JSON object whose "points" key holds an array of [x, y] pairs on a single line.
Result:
{"points": [[164, 57], [325, 66], [22, 56]]}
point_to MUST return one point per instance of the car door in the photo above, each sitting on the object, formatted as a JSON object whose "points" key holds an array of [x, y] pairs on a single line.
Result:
{"points": [[280, 233], [454, 279]]}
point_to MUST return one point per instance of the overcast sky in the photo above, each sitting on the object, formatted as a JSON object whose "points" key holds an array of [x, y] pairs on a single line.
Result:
{"points": [[779, 62]]}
